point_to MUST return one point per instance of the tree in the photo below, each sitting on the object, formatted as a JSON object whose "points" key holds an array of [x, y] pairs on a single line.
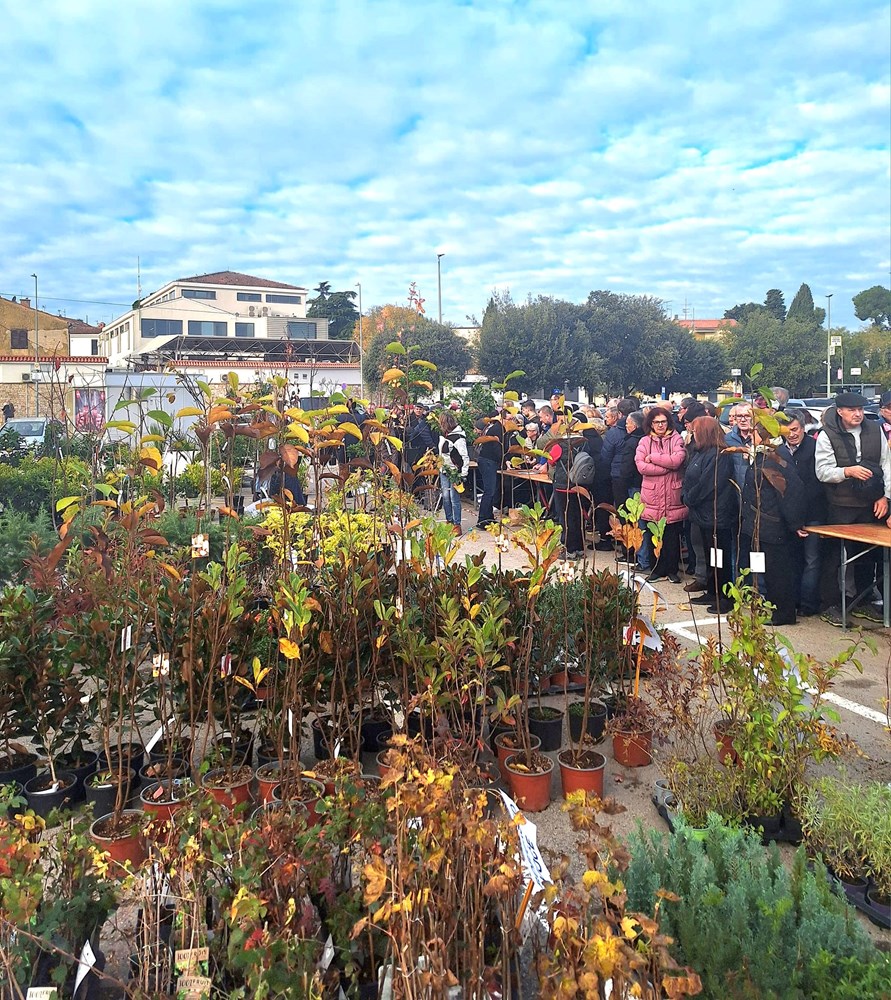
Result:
{"points": [[775, 304], [869, 349], [803, 309], [793, 354], [337, 307], [544, 337], [425, 339], [634, 337], [698, 366], [741, 310], [874, 304]]}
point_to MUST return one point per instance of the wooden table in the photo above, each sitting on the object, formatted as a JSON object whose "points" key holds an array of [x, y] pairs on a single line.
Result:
{"points": [[530, 476], [872, 536]]}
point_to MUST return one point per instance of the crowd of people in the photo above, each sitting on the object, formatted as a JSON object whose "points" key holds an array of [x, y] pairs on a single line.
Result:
{"points": [[729, 499]]}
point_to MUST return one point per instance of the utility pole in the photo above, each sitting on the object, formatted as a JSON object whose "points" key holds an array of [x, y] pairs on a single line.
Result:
{"points": [[439, 257], [829, 344]]}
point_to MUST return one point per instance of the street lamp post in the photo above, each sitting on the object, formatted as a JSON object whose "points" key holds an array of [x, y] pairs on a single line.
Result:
{"points": [[36, 351], [361, 351], [829, 344], [439, 257]]}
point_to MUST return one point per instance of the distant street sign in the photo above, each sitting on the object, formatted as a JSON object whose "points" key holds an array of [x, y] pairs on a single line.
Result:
{"points": [[736, 372], [856, 371], [835, 341]]}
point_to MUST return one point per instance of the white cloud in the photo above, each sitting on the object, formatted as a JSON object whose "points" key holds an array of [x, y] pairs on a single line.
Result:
{"points": [[686, 150]]}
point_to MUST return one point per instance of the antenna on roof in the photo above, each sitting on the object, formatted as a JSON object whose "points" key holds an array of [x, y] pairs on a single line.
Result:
{"points": [[138, 280]]}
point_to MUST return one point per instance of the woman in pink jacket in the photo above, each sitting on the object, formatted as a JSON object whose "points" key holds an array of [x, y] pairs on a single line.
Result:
{"points": [[660, 460]]}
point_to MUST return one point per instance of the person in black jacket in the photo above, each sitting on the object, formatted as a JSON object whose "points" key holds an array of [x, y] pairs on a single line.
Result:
{"points": [[489, 459], [774, 509], [801, 449], [712, 507]]}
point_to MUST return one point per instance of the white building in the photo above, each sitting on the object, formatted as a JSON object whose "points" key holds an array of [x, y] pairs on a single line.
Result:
{"points": [[229, 319]]}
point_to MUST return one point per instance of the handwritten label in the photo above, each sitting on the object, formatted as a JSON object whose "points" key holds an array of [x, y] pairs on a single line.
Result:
{"points": [[193, 987], [86, 962], [42, 993], [186, 959]]}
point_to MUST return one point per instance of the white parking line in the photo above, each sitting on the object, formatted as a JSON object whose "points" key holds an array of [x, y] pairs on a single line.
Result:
{"points": [[684, 630]]}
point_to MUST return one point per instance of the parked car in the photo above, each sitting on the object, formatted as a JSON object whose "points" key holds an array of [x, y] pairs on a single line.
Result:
{"points": [[32, 431]]}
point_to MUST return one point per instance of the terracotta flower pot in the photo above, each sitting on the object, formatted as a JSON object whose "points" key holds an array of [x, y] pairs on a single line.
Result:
{"points": [[309, 791], [530, 789], [507, 744], [727, 753], [160, 800], [123, 841], [230, 787], [268, 776], [581, 772], [633, 748]]}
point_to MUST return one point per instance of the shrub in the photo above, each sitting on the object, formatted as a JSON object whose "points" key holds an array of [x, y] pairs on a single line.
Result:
{"points": [[20, 536], [748, 925], [35, 483]]}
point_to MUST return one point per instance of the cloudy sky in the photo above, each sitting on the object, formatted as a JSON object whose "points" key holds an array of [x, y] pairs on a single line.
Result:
{"points": [[698, 151]]}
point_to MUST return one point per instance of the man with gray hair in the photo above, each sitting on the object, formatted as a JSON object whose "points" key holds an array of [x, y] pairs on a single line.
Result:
{"points": [[780, 398]]}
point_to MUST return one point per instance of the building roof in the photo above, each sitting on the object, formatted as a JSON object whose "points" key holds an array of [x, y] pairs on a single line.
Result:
{"points": [[80, 328], [236, 278], [704, 325]]}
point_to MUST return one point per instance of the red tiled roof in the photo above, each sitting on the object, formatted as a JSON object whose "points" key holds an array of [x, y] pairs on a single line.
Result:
{"points": [[705, 325], [80, 328], [50, 358], [236, 278]]}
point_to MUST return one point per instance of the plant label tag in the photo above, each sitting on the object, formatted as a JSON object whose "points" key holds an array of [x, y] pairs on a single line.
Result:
{"points": [[187, 959], [291, 722], [85, 963], [327, 955], [127, 639], [716, 558], [226, 665], [337, 748], [200, 546], [154, 740], [756, 562], [42, 993], [193, 987], [161, 665]]}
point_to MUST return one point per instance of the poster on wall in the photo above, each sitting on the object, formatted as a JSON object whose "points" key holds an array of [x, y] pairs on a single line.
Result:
{"points": [[89, 410]]}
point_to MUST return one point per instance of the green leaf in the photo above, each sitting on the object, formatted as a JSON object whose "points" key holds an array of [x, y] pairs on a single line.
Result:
{"points": [[756, 369], [105, 489], [516, 374], [122, 404], [66, 502], [204, 387], [161, 416], [147, 394], [395, 348]]}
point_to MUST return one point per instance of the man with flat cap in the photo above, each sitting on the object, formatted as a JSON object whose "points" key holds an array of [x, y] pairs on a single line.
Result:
{"points": [[853, 461]]}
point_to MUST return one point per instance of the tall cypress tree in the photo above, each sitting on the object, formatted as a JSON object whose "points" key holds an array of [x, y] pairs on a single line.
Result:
{"points": [[802, 307], [775, 304]]}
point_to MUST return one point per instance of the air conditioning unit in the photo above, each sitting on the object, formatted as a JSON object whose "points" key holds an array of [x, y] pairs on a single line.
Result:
{"points": [[265, 311], [250, 311], [26, 376]]}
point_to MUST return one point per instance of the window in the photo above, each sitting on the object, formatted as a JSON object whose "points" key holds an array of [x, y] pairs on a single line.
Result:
{"points": [[206, 328], [198, 293], [162, 328], [18, 340], [249, 297], [293, 300], [301, 330], [94, 347], [244, 329]]}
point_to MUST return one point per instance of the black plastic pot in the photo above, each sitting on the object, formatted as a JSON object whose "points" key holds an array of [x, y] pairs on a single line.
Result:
{"points": [[82, 766], [236, 750], [371, 729], [182, 748], [21, 767], [42, 798], [770, 826], [791, 830], [547, 726], [103, 797], [156, 770], [130, 753], [418, 725], [596, 722]]}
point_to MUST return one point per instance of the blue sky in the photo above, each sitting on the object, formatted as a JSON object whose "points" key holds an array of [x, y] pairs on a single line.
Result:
{"points": [[696, 151]]}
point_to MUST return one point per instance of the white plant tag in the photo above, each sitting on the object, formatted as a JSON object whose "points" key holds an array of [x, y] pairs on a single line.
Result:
{"points": [[200, 546], [42, 993], [153, 742], [193, 987], [756, 562], [85, 963], [127, 639], [291, 722], [327, 955], [161, 665], [225, 664], [716, 558]]}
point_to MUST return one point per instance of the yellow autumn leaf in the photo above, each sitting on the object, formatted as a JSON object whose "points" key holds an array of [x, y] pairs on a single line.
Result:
{"points": [[391, 374], [375, 875], [289, 649], [351, 429], [629, 927], [189, 411]]}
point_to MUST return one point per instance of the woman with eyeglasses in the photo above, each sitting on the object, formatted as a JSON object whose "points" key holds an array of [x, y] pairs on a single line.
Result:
{"points": [[660, 459]]}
